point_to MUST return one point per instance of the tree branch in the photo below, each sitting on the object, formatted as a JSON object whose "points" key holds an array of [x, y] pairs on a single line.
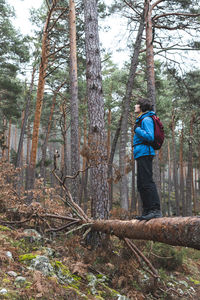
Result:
{"points": [[133, 247], [54, 23], [56, 51], [156, 3], [174, 14]]}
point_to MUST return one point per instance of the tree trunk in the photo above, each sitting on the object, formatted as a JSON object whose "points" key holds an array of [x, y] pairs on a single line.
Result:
{"points": [[150, 54], [75, 153], [110, 181], [64, 129], [111, 158], [189, 173], [48, 129], [109, 133], [125, 113], [9, 134], [84, 166], [133, 191], [175, 171], [15, 138], [39, 102], [4, 143], [24, 123], [182, 186], [169, 179], [97, 139], [178, 231], [27, 153], [151, 89], [164, 191]]}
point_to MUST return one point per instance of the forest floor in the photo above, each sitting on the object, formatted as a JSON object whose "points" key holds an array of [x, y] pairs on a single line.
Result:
{"points": [[57, 266], [79, 272]]}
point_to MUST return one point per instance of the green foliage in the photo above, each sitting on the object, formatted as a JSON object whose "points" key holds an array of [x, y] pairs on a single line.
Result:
{"points": [[4, 228], [167, 257], [13, 53]]}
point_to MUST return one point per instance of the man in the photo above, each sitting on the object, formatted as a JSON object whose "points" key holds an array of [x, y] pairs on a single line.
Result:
{"points": [[143, 154]]}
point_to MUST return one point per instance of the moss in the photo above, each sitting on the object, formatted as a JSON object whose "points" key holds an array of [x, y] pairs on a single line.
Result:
{"points": [[194, 281], [21, 245], [69, 287], [4, 228], [65, 275], [100, 281], [28, 284], [6, 280], [59, 266], [27, 257]]}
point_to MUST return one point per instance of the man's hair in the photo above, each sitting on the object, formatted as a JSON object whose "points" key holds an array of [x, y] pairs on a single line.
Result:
{"points": [[145, 104]]}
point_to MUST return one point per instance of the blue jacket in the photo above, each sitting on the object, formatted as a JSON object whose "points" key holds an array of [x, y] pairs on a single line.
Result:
{"points": [[144, 132]]}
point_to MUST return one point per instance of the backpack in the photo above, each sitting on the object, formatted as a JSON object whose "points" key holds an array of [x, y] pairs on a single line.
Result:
{"points": [[159, 134]]}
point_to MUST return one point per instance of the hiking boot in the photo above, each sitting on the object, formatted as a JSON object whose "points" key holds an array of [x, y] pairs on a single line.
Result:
{"points": [[153, 214], [142, 216]]}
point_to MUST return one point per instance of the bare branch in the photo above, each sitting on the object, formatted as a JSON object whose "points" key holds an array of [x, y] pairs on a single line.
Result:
{"points": [[53, 70], [63, 227], [133, 247], [171, 28], [59, 217], [70, 200], [54, 23], [156, 3], [57, 51], [175, 14]]}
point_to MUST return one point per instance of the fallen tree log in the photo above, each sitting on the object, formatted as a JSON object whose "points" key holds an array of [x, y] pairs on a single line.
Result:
{"points": [[176, 231]]}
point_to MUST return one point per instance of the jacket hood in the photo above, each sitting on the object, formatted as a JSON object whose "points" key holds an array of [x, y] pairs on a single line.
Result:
{"points": [[144, 115]]}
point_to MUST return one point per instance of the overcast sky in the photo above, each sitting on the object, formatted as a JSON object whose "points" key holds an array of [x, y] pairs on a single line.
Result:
{"points": [[22, 8], [113, 39]]}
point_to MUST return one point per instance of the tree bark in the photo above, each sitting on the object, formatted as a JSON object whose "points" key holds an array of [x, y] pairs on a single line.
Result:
{"points": [[75, 153], [48, 129], [169, 179], [9, 134], [175, 171], [133, 189], [182, 186], [24, 123], [189, 173], [125, 113], [64, 131], [97, 139], [39, 101], [178, 231], [4, 144], [151, 89], [111, 158]]}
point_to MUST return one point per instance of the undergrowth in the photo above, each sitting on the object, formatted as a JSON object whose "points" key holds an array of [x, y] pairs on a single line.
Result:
{"points": [[108, 272]]}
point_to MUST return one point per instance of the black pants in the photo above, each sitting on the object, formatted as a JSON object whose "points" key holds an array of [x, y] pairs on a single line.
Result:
{"points": [[145, 184]]}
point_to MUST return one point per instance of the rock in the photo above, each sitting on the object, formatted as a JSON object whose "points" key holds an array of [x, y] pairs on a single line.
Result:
{"points": [[9, 254], [12, 274], [20, 279], [3, 291], [32, 235], [42, 264], [49, 252]]}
